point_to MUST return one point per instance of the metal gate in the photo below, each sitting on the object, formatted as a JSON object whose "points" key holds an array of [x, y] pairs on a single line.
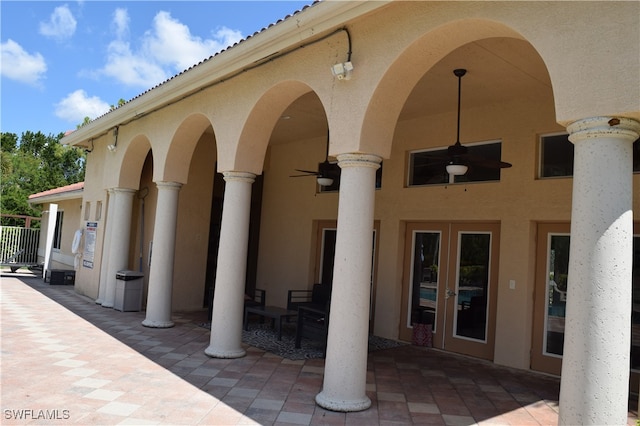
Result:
{"points": [[18, 246]]}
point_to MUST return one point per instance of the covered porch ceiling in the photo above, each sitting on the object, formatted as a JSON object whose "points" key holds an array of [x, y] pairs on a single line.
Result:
{"points": [[499, 70]]}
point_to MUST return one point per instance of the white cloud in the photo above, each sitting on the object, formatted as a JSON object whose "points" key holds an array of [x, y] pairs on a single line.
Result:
{"points": [[61, 24], [227, 37], [166, 49], [171, 43], [17, 64], [121, 23], [78, 105], [130, 69]]}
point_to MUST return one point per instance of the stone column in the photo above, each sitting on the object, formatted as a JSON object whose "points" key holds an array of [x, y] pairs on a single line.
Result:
{"points": [[228, 300], [106, 248], [345, 373], [162, 257], [595, 367], [120, 236]]}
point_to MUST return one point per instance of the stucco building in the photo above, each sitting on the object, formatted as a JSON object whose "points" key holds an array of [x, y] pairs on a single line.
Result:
{"points": [[191, 183]]}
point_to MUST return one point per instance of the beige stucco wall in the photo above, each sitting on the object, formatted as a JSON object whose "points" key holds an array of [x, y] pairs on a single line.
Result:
{"points": [[291, 206], [192, 232], [591, 66], [88, 279]]}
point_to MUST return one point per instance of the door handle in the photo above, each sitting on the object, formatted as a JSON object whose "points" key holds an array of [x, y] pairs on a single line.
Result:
{"points": [[450, 293]]}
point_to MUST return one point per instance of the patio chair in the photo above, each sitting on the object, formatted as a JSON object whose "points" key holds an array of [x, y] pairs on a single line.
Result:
{"points": [[313, 313], [318, 297]]}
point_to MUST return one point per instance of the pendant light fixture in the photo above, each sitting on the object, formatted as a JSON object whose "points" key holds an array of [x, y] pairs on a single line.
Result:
{"points": [[455, 166]]}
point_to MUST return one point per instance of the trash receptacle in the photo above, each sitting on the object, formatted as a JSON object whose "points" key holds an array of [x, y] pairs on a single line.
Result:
{"points": [[129, 286]]}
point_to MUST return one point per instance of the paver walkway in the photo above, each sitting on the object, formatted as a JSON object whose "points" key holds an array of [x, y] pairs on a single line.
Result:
{"points": [[66, 360]]}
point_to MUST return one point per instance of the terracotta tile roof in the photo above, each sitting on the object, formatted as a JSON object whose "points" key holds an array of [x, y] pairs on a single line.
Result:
{"points": [[58, 191]]}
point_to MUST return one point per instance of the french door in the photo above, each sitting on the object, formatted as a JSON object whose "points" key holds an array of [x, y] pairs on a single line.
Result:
{"points": [[552, 268], [450, 281]]}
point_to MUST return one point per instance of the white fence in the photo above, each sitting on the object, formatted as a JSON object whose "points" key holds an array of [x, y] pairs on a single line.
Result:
{"points": [[19, 245]]}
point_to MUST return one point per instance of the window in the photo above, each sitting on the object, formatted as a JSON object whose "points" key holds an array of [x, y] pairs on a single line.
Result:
{"points": [[335, 186], [556, 156], [427, 167], [87, 210], [57, 233]]}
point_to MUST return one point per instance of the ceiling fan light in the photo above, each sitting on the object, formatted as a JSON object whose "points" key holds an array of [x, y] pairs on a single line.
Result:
{"points": [[457, 169], [325, 181]]}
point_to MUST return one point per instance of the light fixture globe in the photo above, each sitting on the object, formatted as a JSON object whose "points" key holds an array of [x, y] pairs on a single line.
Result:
{"points": [[324, 181], [457, 169]]}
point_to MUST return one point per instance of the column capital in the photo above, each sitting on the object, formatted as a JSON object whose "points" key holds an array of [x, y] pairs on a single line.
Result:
{"points": [[597, 127], [169, 185], [359, 160], [123, 190], [239, 176]]}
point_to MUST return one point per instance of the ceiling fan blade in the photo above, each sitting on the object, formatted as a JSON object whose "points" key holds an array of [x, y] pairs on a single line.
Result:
{"points": [[488, 164], [307, 171], [325, 169], [312, 175]]}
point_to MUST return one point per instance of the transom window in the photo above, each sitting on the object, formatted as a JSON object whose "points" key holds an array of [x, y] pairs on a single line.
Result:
{"points": [[427, 167], [556, 156]]}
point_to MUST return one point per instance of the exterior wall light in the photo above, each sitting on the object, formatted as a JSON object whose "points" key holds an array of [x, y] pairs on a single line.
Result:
{"points": [[342, 71], [113, 147]]}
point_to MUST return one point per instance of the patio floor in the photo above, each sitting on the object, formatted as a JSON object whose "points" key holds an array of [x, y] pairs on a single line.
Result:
{"points": [[67, 360]]}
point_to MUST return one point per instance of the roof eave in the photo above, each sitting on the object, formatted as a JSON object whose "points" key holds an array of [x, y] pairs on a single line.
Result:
{"points": [[287, 34], [69, 195]]}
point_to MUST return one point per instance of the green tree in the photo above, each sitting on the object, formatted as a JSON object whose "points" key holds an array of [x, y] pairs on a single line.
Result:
{"points": [[34, 163], [86, 121]]}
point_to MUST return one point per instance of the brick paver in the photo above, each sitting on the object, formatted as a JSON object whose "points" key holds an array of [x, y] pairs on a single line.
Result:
{"points": [[66, 360]]}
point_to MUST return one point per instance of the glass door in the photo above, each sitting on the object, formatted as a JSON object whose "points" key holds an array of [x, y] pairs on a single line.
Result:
{"points": [[424, 277], [472, 289], [552, 267], [451, 274]]}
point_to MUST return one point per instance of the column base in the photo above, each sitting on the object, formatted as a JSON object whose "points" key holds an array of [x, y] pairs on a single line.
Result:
{"points": [[98, 301], [216, 353], [157, 324], [342, 405], [107, 304]]}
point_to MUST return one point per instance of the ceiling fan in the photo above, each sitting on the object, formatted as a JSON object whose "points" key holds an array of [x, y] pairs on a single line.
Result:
{"points": [[326, 172], [458, 159]]}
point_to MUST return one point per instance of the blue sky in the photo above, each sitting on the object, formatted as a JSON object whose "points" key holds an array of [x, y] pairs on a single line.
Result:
{"points": [[63, 61]]}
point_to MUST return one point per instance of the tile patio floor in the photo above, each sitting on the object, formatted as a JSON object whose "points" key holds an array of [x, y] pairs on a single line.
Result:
{"points": [[65, 357]]}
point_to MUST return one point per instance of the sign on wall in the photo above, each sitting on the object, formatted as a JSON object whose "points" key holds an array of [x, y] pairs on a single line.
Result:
{"points": [[89, 244]]}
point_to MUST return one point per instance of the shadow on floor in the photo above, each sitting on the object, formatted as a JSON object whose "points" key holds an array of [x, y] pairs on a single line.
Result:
{"points": [[407, 384]]}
